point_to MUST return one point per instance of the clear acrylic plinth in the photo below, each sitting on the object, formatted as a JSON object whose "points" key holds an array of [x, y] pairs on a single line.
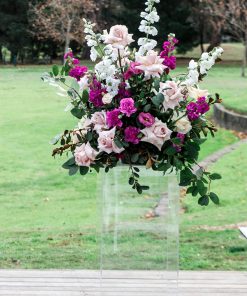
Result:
{"points": [[139, 234]]}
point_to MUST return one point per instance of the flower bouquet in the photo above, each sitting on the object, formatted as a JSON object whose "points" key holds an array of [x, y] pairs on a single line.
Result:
{"points": [[132, 110]]}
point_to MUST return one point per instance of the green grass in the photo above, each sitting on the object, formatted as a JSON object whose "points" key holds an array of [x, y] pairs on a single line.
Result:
{"points": [[231, 87], [48, 220]]}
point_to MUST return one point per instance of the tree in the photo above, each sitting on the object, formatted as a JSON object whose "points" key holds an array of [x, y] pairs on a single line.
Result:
{"points": [[210, 27], [234, 14], [175, 17], [14, 26], [61, 20]]}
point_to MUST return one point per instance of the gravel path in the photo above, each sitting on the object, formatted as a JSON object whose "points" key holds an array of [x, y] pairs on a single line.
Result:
{"points": [[161, 208]]}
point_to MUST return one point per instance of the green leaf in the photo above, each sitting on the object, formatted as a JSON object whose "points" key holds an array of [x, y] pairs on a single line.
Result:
{"points": [[73, 170], [147, 108], [158, 100], [214, 197], [118, 143], [145, 187], [200, 141], [55, 70], [135, 157], [178, 163], [84, 170], [201, 187], [203, 200], [131, 180], [186, 177], [215, 176], [69, 163], [136, 169], [171, 150], [78, 113], [139, 188], [176, 141], [195, 191], [85, 96]]}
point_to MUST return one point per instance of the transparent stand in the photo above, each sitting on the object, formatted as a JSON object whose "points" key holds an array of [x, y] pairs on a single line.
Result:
{"points": [[139, 234]]}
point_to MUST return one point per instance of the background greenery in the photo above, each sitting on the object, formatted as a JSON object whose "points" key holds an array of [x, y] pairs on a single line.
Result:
{"points": [[48, 220]]}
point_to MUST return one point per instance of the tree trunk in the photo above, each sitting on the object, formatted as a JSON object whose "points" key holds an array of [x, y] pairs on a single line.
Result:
{"points": [[67, 37], [244, 64]]}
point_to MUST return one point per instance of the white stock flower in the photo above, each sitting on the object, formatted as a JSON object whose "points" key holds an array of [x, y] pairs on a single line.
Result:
{"points": [[83, 83]]}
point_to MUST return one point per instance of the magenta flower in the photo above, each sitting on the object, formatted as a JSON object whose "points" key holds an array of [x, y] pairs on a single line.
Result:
{"points": [[76, 62], [194, 110], [178, 147], [146, 119], [131, 135], [127, 106], [202, 105], [123, 92], [112, 118], [96, 93], [78, 72], [69, 54], [170, 61], [132, 70]]}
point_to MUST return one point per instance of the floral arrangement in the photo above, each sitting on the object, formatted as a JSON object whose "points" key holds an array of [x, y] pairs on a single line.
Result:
{"points": [[132, 110]]}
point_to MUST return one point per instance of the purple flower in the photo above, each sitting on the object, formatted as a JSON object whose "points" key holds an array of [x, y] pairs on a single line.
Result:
{"points": [[146, 119], [78, 72], [76, 62], [68, 54], [202, 105], [131, 135], [123, 92], [178, 147], [194, 110], [132, 70], [112, 118], [96, 93], [127, 106], [170, 61]]}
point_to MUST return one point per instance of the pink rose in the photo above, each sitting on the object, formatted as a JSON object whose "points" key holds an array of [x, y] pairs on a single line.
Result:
{"points": [[151, 64], [99, 121], [85, 155], [106, 142], [119, 37], [157, 134], [172, 94]]}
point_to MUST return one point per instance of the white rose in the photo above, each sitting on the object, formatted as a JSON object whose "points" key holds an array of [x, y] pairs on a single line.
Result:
{"points": [[107, 99], [183, 125], [196, 93]]}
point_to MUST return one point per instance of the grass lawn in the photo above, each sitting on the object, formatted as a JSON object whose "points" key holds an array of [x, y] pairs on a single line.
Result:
{"points": [[48, 220]]}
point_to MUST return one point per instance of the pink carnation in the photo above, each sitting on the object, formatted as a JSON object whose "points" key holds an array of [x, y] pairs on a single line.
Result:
{"points": [[127, 106], [146, 119], [131, 135], [112, 118], [76, 62]]}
